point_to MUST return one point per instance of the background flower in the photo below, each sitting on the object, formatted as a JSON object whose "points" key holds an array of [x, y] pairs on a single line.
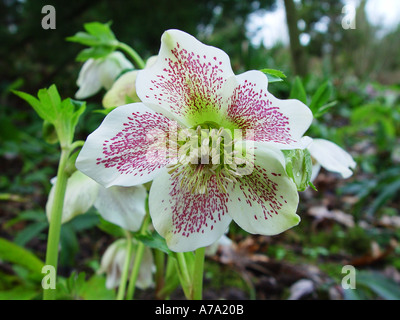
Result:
{"points": [[112, 264], [331, 157], [123, 206], [100, 73]]}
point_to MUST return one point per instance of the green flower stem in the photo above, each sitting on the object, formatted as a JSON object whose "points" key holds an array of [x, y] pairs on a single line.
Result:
{"points": [[77, 144], [184, 274], [197, 286], [138, 260], [125, 271], [190, 270], [171, 280], [159, 259], [133, 54], [53, 239]]}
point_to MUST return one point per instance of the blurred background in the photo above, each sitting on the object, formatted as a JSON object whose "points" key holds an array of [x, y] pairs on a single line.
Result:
{"points": [[352, 46]]}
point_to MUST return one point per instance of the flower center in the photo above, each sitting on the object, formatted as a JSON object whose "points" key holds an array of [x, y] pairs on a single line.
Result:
{"points": [[207, 151]]}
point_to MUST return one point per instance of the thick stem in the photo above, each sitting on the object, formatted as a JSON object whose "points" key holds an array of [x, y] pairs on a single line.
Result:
{"points": [[133, 54], [53, 239], [197, 285], [127, 264], [138, 260]]}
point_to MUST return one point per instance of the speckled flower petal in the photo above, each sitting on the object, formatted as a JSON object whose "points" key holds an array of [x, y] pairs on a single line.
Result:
{"points": [[265, 202], [128, 148], [280, 123], [189, 79], [187, 221]]}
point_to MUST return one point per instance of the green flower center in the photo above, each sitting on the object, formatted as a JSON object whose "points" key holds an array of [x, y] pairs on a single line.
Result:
{"points": [[208, 151]]}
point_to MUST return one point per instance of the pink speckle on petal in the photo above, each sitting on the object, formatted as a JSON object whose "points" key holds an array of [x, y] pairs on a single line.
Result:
{"points": [[194, 213], [251, 109], [190, 83], [134, 150]]}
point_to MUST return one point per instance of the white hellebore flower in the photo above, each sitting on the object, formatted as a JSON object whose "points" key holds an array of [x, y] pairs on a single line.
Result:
{"points": [[122, 91], [222, 160], [331, 157], [123, 206], [100, 73], [113, 260]]}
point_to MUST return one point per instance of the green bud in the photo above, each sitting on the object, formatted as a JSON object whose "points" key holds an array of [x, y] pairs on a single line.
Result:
{"points": [[299, 167]]}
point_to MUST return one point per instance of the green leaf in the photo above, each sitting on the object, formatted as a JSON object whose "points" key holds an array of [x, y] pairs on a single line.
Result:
{"points": [[84, 222], [50, 101], [274, 75], [63, 115], [100, 30], [95, 289], [85, 39], [29, 215], [324, 109], [297, 91], [30, 232], [321, 97], [155, 241], [381, 285], [19, 293], [70, 244], [94, 53], [35, 104], [69, 115], [387, 191], [15, 254], [79, 108], [100, 39], [110, 228], [104, 111]]}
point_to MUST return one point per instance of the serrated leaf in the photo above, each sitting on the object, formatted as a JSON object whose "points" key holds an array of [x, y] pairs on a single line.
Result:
{"points": [[50, 100], [100, 30], [35, 104], [63, 115]]}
